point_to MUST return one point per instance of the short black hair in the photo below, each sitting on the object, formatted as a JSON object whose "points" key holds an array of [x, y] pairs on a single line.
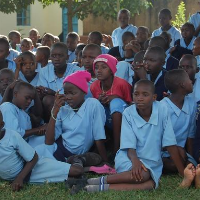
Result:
{"points": [[60, 45], [190, 26], [146, 82], [34, 29], [12, 33], [5, 42], [94, 47], [29, 54], [189, 57], [173, 78], [7, 71], [126, 11], [97, 35], [158, 41], [45, 50], [146, 29], [139, 56], [80, 46], [157, 50], [50, 36], [127, 34], [27, 40], [166, 12], [73, 35], [22, 84]]}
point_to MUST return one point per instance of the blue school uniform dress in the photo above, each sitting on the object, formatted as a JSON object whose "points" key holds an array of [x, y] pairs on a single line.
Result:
{"points": [[18, 120], [118, 32], [195, 20], [125, 71], [104, 49], [174, 32], [13, 54], [33, 82], [147, 138], [15, 152], [11, 65], [183, 121], [48, 78], [78, 130], [72, 56]]}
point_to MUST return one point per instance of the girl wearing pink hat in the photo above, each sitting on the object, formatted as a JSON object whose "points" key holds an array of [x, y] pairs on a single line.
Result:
{"points": [[113, 92], [75, 123]]}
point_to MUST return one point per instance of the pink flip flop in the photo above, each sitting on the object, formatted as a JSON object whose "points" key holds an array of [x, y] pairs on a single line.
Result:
{"points": [[105, 169]]}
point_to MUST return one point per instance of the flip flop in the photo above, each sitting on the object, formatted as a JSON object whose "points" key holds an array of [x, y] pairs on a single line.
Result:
{"points": [[105, 169]]}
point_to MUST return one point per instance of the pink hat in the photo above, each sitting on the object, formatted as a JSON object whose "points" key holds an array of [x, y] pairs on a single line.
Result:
{"points": [[80, 79], [108, 59]]}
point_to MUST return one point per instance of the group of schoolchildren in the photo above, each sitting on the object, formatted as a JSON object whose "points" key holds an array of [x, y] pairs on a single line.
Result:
{"points": [[128, 98]]}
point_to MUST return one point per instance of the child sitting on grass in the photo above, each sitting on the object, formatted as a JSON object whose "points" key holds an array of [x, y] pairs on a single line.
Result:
{"points": [[181, 109], [113, 92], [146, 129]]}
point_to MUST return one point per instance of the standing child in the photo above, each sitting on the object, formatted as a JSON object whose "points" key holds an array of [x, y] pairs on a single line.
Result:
{"points": [[182, 111], [113, 92], [142, 35], [48, 40], [123, 18], [165, 18], [146, 129], [15, 39], [96, 37], [189, 64], [42, 57], [34, 36], [152, 69], [70, 116], [72, 41]]}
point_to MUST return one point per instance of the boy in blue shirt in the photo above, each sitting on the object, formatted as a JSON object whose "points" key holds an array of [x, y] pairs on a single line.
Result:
{"points": [[182, 111], [14, 39], [152, 69], [146, 129], [165, 18], [72, 40], [124, 26]]}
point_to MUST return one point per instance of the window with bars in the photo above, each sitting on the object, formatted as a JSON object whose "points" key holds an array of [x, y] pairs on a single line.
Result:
{"points": [[23, 17]]}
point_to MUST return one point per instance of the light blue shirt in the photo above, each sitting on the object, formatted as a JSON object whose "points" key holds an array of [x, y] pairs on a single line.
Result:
{"points": [[195, 20], [39, 66], [125, 71], [11, 65], [118, 32], [14, 152], [72, 56], [13, 54], [48, 78], [174, 32], [104, 49], [147, 138], [33, 82], [80, 129], [183, 120]]}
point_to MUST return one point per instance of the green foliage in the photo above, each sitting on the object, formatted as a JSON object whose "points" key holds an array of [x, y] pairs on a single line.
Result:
{"points": [[9, 6], [180, 18]]}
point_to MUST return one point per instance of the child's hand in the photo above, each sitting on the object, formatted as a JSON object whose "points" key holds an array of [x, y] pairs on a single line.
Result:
{"points": [[136, 172], [103, 98], [42, 130], [58, 103], [139, 71], [107, 39], [17, 184], [18, 62]]}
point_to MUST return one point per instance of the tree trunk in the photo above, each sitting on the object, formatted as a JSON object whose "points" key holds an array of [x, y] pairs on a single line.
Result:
{"points": [[69, 15]]}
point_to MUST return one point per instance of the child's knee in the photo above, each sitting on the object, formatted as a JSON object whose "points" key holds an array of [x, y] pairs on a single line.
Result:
{"points": [[76, 171], [117, 105], [48, 101]]}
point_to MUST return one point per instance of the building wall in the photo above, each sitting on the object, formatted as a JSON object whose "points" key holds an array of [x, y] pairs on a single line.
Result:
{"points": [[48, 19], [147, 17]]}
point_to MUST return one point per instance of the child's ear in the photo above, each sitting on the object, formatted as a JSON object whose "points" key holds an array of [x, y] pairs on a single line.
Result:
{"points": [[154, 97], [15, 94]]}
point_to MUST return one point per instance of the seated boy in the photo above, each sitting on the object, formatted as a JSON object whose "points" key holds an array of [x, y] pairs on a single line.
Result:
{"points": [[34, 36], [146, 129], [96, 37], [123, 18], [182, 111], [142, 35], [15, 117], [189, 64], [152, 69], [72, 40], [42, 57], [170, 61], [26, 45], [4, 49], [48, 40], [165, 18], [15, 39]]}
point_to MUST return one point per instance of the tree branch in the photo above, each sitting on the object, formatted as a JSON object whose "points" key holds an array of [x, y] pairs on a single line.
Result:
{"points": [[80, 7]]}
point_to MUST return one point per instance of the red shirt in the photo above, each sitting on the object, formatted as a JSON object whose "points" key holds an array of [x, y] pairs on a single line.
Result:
{"points": [[120, 87]]}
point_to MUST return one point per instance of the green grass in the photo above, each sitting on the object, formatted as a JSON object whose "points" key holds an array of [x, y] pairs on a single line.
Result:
{"points": [[168, 190]]}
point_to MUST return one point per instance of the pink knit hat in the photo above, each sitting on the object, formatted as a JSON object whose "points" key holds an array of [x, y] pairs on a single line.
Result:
{"points": [[79, 79], [108, 59]]}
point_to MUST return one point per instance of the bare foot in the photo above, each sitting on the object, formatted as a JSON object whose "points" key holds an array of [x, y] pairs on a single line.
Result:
{"points": [[189, 174], [197, 177]]}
